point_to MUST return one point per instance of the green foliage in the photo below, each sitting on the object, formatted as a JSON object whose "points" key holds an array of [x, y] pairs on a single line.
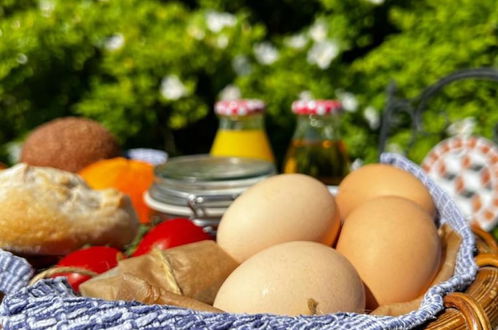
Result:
{"points": [[435, 39], [413, 44], [150, 71], [136, 66]]}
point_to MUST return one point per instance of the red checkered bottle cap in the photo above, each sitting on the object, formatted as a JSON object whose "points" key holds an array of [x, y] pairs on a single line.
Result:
{"points": [[239, 107], [316, 107]]}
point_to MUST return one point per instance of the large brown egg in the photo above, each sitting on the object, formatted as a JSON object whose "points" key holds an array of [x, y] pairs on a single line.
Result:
{"points": [[393, 244], [293, 278], [374, 180], [283, 208]]}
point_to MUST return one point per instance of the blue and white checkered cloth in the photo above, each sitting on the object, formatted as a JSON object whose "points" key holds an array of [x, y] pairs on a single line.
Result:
{"points": [[51, 304], [152, 156]]}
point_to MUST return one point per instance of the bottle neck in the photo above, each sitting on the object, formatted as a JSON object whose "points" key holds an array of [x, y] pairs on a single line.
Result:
{"points": [[247, 122], [317, 127]]}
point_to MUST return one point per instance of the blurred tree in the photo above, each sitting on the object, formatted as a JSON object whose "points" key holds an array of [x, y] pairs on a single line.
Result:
{"points": [[141, 68], [354, 49], [150, 71], [8, 7], [435, 39]]}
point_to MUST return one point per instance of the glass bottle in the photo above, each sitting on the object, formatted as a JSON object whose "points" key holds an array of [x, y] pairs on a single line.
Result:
{"points": [[241, 130], [316, 148]]}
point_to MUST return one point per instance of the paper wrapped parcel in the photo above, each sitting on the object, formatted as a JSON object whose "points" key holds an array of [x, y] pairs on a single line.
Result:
{"points": [[188, 276]]}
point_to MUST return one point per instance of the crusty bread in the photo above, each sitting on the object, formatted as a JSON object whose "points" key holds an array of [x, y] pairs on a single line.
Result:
{"points": [[69, 144], [48, 211]]}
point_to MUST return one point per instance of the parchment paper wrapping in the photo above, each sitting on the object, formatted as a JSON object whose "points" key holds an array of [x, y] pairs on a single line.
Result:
{"points": [[450, 243], [187, 276]]}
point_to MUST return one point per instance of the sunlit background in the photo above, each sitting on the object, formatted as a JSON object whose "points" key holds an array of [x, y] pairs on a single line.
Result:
{"points": [[151, 71]]}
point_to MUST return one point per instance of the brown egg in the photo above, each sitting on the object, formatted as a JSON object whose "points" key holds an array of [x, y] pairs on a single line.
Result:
{"points": [[283, 208], [393, 244], [293, 278], [376, 180]]}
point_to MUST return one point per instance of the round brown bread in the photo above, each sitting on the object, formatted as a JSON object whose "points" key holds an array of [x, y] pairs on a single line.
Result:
{"points": [[69, 144], [47, 211]]}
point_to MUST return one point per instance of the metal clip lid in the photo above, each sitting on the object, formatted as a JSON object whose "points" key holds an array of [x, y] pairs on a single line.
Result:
{"points": [[202, 186]]}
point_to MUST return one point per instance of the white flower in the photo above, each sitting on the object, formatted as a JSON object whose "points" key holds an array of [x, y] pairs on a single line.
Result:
{"points": [[265, 53], [114, 42], [22, 58], [216, 21], [196, 32], [463, 127], [322, 53], [318, 31], [222, 41], [348, 101], [297, 41], [46, 7], [172, 88], [356, 164], [305, 96], [14, 151], [376, 2], [241, 65], [230, 92], [394, 147], [371, 115]]}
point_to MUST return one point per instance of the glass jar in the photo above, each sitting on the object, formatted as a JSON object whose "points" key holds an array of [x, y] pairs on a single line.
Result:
{"points": [[241, 130], [316, 148], [201, 187]]}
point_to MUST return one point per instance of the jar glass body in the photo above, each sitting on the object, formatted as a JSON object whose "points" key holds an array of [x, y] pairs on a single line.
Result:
{"points": [[201, 188], [317, 149], [242, 136]]}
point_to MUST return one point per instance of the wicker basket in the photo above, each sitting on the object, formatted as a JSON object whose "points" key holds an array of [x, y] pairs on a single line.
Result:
{"points": [[50, 302], [477, 308]]}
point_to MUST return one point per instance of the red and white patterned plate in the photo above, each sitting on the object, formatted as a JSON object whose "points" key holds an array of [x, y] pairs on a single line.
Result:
{"points": [[467, 168]]}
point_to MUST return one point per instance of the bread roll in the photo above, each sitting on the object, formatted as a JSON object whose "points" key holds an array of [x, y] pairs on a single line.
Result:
{"points": [[69, 144], [53, 212]]}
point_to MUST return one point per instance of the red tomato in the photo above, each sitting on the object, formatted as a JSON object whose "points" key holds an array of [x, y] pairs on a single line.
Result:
{"points": [[171, 233], [98, 259]]}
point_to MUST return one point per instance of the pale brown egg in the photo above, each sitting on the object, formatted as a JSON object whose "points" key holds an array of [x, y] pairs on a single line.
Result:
{"points": [[283, 208], [293, 278], [393, 244], [376, 180]]}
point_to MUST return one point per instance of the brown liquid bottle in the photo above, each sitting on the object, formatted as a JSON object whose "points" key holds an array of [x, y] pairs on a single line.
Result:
{"points": [[316, 148]]}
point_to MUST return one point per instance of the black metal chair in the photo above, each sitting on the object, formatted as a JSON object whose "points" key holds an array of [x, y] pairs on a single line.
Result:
{"points": [[414, 108]]}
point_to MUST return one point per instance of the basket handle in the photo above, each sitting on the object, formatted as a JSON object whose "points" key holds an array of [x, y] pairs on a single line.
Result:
{"points": [[474, 315], [487, 259], [486, 237]]}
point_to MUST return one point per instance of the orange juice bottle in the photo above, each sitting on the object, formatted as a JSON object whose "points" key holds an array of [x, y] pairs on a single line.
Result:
{"points": [[316, 148], [241, 130]]}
